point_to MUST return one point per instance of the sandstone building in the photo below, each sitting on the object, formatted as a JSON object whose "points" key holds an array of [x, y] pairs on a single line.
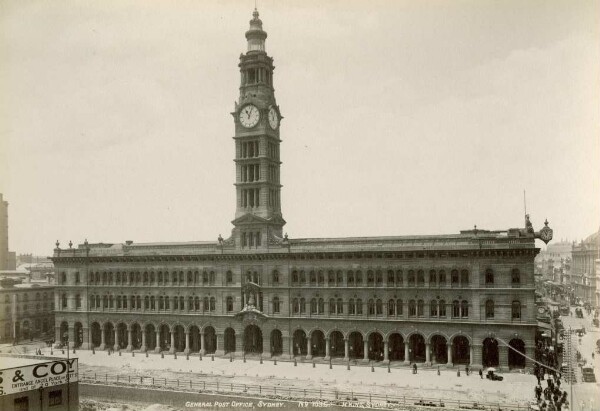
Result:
{"points": [[445, 299]]}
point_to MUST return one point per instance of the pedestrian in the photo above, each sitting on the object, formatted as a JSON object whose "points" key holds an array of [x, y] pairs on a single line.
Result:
{"points": [[538, 377], [467, 369], [481, 373], [414, 368]]}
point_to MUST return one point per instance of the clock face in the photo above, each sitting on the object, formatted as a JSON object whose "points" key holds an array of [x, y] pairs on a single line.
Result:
{"points": [[546, 234], [249, 116], [273, 118]]}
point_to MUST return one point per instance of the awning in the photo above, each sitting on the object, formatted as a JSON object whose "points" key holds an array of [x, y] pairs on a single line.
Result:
{"points": [[544, 326]]}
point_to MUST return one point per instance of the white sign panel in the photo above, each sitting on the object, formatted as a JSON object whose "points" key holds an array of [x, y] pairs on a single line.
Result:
{"points": [[41, 375]]}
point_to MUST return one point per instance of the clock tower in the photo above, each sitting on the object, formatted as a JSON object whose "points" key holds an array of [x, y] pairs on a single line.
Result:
{"points": [[258, 218]]}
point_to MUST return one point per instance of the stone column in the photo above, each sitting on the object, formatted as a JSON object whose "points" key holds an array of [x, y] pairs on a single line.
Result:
{"points": [[470, 355], [386, 352], [102, 339], [143, 347], [327, 349], [503, 357], [308, 348], [366, 351], [219, 349], [450, 363], [57, 336], [406, 353], [129, 342], [346, 349], [172, 350], [187, 342], [116, 346], [202, 349], [428, 353], [157, 348], [86, 343], [477, 356]]}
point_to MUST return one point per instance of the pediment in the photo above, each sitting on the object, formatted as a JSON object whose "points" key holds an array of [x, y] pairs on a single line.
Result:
{"points": [[254, 219]]}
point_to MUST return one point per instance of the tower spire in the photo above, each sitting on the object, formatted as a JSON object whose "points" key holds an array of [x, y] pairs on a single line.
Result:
{"points": [[256, 35]]}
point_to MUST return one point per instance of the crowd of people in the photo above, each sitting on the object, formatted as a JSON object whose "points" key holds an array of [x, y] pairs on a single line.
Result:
{"points": [[551, 398]]}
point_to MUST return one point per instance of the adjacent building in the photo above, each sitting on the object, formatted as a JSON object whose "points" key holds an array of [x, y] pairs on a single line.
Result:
{"points": [[586, 269], [441, 299], [26, 310], [7, 258]]}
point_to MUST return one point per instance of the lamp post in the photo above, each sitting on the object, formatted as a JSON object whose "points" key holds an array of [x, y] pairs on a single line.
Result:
{"points": [[66, 337]]}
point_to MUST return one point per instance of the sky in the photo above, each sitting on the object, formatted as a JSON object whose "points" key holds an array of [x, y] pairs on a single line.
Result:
{"points": [[400, 117]]}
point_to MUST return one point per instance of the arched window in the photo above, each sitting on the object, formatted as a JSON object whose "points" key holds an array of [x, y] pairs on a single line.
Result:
{"points": [[204, 277], [350, 275], [412, 308], [432, 278], [145, 277], [151, 277], [489, 277], [370, 278], [321, 308], [321, 278], [175, 303], [331, 306], [442, 278], [190, 305], [420, 278], [420, 308], [77, 301], [212, 278], [339, 277], [119, 304], [190, 277], [399, 307], [206, 304], [97, 301], [351, 307], [331, 277], [275, 277], [371, 307], [302, 277], [455, 309], [313, 306], [181, 303], [399, 278], [411, 278], [295, 306], [196, 303], [378, 307], [489, 309], [229, 304], [340, 306], [359, 278], [378, 278], [359, 306], [516, 310], [213, 303], [167, 303], [464, 308], [276, 307], [516, 277], [294, 277], [302, 306], [391, 278], [146, 302], [152, 302], [454, 280], [105, 301], [64, 300], [433, 308], [160, 278], [391, 308], [313, 277], [464, 278]]}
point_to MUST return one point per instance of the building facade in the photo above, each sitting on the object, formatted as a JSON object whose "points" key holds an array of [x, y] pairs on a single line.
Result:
{"points": [[7, 258], [464, 298], [585, 271], [26, 310]]}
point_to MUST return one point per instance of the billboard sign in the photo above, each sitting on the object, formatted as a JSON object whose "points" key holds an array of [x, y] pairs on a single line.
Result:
{"points": [[35, 376]]}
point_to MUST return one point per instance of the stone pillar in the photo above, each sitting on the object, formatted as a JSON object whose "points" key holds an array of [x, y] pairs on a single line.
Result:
{"points": [[346, 349], [116, 331], [187, 342], [386, 352], [477, 356], [529, 352], [450, 363], [219, 349], [129, 342], [428, 353], [308, 348], [503, 357], [102, 339], [366, 351], [86, 344], [172, 350], [471, 355], [406, 353], [71, 333], [291, 344], [202, 349], [327, 349], [143, 347], [57, 336], [157, 348]]}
